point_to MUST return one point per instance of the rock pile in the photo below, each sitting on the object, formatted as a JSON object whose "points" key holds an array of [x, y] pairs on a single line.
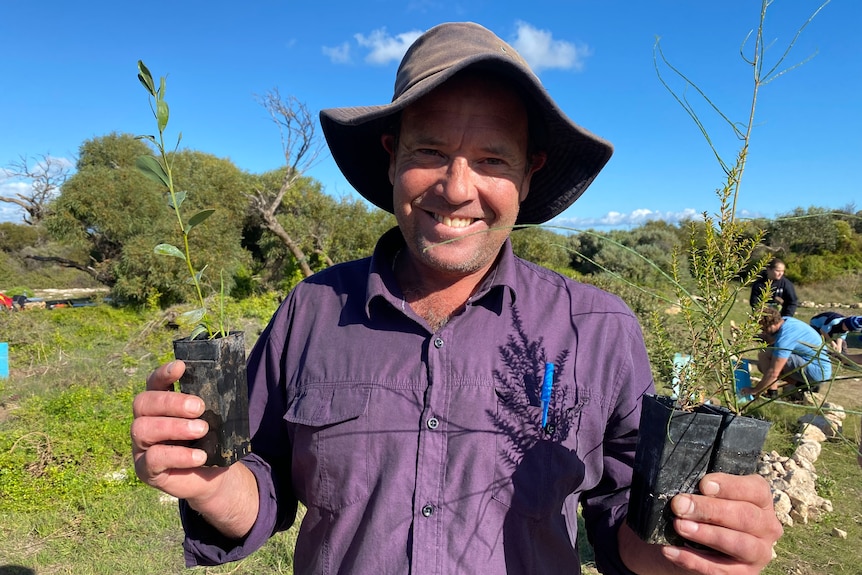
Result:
{"points": [[793, 478], [836, 305]]}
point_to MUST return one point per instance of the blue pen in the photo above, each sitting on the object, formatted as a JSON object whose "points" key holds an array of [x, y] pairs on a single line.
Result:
{"points": [[547, 387]]}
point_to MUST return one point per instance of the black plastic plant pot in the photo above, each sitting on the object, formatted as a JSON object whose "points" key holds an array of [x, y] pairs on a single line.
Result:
{"points": [[675, 450], [215, 372]]}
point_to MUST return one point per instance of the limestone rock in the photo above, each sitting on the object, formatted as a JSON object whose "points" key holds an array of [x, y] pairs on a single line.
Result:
{"points": [[807, 450]]}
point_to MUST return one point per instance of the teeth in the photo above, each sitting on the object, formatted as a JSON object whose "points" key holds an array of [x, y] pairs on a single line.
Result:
{"points": [[453, 222]]}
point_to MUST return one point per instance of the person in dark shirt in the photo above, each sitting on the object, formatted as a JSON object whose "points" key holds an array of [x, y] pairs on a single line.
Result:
{"points": [[396, 396], [782, 294]]}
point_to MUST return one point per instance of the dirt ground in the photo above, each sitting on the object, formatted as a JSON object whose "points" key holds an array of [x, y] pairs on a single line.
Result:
{"points": [[847, 393]]}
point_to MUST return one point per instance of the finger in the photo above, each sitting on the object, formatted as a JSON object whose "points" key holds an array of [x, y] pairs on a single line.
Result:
{"points": [[163, 377], [173, 469], [162, 457], [694, 561], [747, 488], [149, 431], [167, 403], [739, 515], [738, 546], [182, 482], [735, 516]]}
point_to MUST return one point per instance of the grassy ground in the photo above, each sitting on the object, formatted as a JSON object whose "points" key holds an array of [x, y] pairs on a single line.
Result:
{"points": [[69, 501]]}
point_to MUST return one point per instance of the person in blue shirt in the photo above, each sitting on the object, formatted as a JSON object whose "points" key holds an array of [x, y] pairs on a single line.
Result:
{"points": [[835, 327], [796, 355]]}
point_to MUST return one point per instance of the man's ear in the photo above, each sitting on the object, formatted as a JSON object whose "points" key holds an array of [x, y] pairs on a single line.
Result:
{"points": [[389, 143]]}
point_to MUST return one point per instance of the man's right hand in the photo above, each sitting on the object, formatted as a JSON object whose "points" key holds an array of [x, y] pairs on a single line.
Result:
{"points": [[226, 497], [163, 421]]}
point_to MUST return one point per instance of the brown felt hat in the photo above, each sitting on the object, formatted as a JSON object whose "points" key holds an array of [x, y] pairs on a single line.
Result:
{"points": [[575, 156]]}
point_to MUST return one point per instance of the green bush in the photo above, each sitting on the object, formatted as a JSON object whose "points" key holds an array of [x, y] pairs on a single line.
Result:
{"points": [[80, 453]]}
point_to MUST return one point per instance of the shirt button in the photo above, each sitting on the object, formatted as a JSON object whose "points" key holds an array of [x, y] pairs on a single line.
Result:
{"points": [[438, 343], [427, 511], [433, 423]]}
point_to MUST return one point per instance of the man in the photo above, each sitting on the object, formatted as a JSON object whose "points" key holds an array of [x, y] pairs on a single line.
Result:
{"points": [[834, 328], [782, 293], [795, 355], [398, 397]]}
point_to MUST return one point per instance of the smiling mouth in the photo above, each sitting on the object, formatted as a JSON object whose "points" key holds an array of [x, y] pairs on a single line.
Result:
{"points": [[453, 222]]}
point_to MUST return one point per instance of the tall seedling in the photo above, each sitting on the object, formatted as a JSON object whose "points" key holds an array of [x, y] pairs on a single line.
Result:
{"points": [[159, 169]]}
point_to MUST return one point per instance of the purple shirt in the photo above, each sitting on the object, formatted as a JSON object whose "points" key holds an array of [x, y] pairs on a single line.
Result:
{"points": [[420, 452]]}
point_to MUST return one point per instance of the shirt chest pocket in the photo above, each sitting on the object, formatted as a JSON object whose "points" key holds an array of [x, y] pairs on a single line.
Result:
{"points": [[536, 469], [329, 429]]}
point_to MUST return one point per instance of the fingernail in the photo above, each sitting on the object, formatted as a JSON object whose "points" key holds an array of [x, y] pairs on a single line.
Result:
{"points": [[682, 505], [197, 426], [685, 527], [170, 367], [670, 552], [199, 457], [709, 488], [193, 405]]}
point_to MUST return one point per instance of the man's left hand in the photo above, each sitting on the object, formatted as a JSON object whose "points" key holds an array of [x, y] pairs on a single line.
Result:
{"points": [[734, 516]]}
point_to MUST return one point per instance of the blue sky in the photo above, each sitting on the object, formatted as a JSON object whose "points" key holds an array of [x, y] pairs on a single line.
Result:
{"points": [[68, 72]]}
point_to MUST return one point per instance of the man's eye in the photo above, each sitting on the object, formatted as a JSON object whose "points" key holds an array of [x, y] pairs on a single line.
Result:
{"points": [[428, 152], [495, 161]]}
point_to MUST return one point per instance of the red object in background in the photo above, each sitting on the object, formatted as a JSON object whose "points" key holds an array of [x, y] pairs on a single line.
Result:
{"points": [[5, 301]]}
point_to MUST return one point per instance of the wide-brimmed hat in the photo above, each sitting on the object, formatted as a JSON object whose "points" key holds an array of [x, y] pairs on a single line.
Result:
{"points": [[574, 155]]}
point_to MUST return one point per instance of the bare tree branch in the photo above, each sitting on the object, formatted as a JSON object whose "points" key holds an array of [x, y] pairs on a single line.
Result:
{"points": [[100, 276], [301, 146], [43, 180]]}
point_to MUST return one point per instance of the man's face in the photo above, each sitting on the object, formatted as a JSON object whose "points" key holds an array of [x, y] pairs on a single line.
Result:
{"points": [[459, 172], [776, 273]]}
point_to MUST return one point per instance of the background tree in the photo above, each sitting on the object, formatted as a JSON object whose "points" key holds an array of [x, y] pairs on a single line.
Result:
{"points": [[301, 146], [41, 180], [817, 244], [116, 215], [322, 230], [656, 241], [541, 246]]}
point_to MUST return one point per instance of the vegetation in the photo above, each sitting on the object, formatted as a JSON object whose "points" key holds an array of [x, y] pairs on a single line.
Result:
{"points": [[69, 500]]}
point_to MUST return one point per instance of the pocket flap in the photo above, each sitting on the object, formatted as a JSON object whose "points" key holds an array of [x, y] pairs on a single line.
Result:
{"points": [[322, 406]]}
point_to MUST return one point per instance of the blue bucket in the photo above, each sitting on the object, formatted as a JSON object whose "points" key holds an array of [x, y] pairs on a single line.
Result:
{"points": [[742, 374], [4, 360]]}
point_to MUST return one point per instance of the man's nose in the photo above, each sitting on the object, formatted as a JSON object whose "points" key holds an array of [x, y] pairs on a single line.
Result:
{"points": [[458, 186]]}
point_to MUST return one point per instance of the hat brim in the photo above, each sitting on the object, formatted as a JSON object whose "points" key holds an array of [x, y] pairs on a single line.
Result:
{"points": [[575, 156]]}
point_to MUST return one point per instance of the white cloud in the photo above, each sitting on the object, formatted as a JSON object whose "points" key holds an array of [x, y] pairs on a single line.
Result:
{"points": [[11, 212], [338, 54], [384, 48], [634, 218], [541, 51], [538, 48], [13, 185]]}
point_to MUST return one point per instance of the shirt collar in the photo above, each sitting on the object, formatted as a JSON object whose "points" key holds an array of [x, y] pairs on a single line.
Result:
{"points": [[382, 283]]}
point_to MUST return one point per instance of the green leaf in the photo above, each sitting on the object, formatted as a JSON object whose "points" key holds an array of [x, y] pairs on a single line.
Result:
{"points": [[179, 197], [191, 316], [152, 168], [198, 218], [198, 275], [162, 114], [146, 78], [199, 330], [169, 250]]}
